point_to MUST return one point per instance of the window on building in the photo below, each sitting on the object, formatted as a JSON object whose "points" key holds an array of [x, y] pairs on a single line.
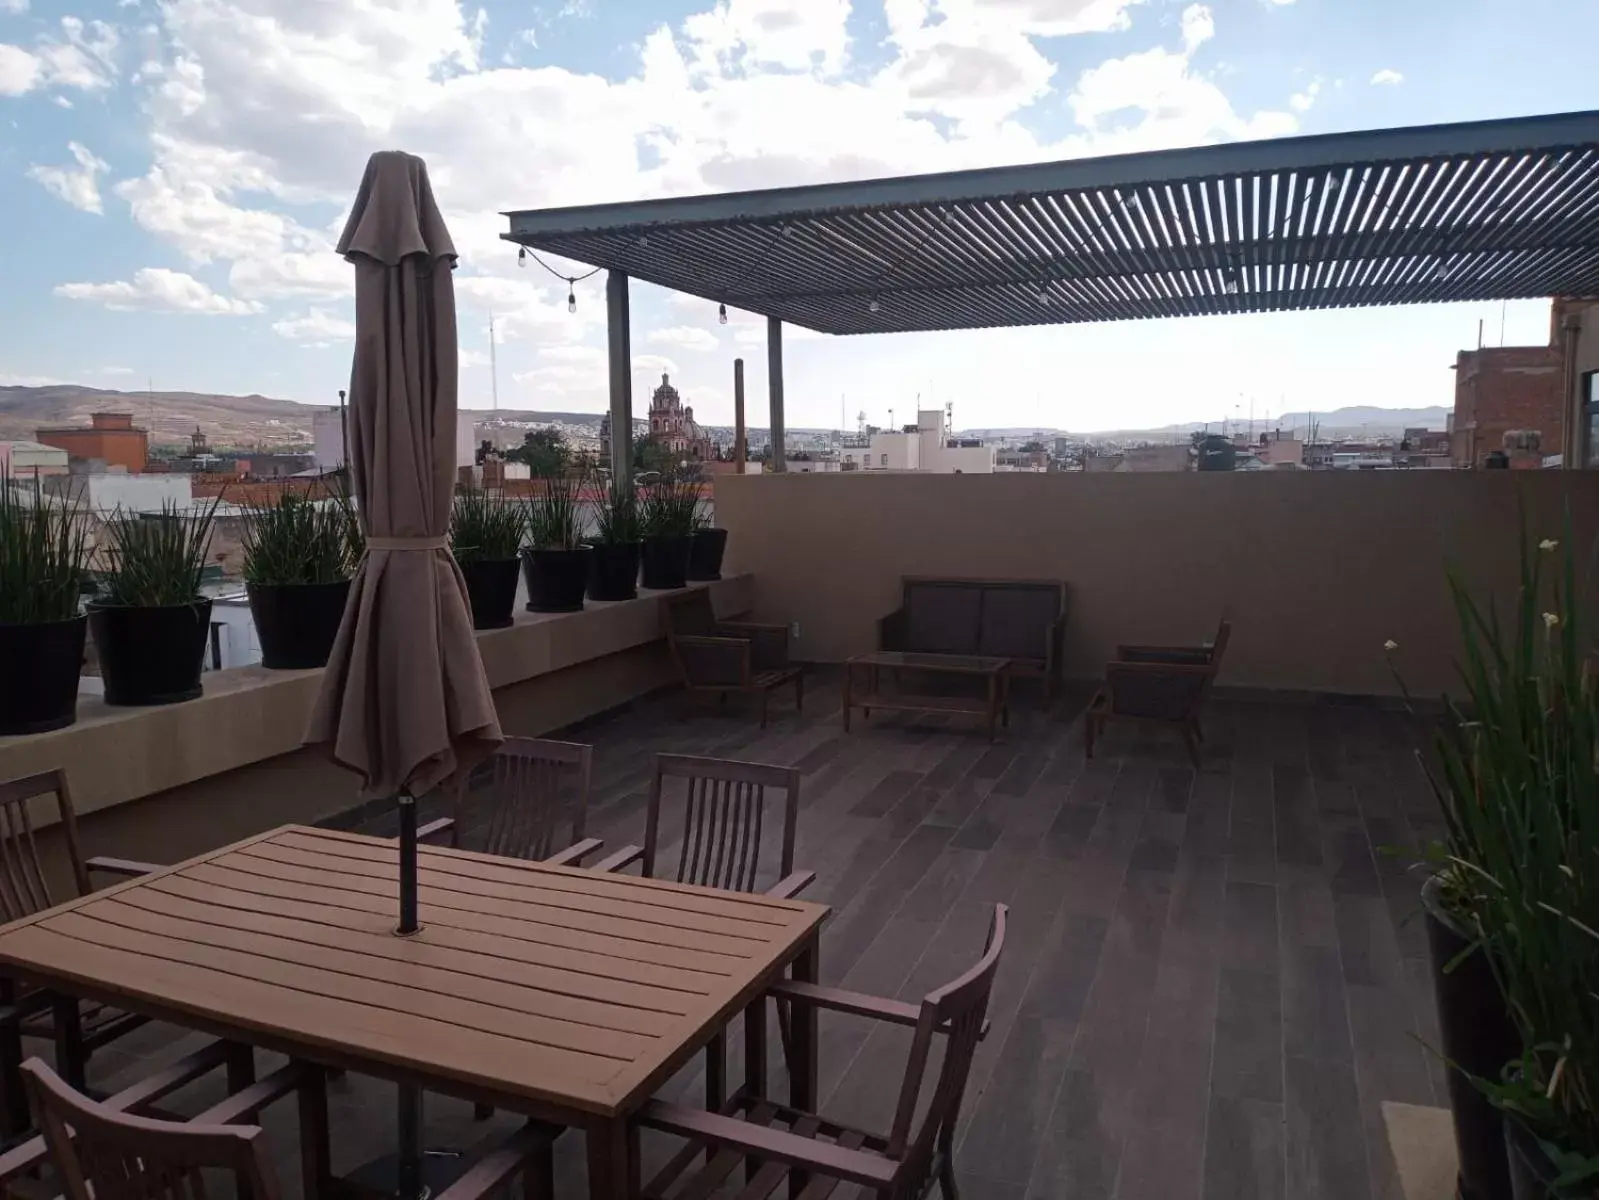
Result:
{"points": [[1590, 417], [885, 460]]}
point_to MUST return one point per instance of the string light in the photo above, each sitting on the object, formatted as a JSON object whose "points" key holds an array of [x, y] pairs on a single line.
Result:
{"points": [[521, 257], [571, 296], [874, 306], [721, 314], [1043, 293]]}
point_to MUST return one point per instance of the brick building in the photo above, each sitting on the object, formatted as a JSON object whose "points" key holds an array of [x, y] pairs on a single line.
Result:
{"points": [[1501, 390], [110, 437]]}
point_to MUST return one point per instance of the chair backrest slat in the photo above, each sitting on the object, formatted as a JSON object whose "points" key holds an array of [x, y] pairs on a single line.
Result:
{"points": [[24, 886], [958, 1010], [724, 819], [106, 1155], [526, 809]]}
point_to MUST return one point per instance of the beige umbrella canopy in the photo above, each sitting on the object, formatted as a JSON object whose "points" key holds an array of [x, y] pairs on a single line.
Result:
{"points": [[404, 701]]}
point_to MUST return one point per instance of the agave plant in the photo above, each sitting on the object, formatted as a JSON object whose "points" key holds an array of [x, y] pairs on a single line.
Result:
{"points": [[44, 555], [616, 515], [155, 560], [294, 539], [485, 527], [1517, 775], [670, 508], [555, 514]]}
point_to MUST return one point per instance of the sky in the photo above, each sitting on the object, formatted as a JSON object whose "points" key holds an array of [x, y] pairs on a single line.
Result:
{"points": [[175, 174]]}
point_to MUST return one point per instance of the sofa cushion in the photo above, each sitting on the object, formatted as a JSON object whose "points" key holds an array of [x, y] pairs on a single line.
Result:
{"points": [[942, 618], [1017, 618]]}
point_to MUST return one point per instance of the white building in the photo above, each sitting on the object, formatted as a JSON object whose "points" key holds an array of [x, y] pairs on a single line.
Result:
{"points": [[929, 445], [327, 438], [106, 492]]}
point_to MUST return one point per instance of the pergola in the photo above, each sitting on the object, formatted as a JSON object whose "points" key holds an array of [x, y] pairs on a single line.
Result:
{"points": [[1481, 211]]}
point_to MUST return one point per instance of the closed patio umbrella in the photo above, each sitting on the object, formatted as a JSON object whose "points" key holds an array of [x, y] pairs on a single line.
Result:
{"points": [[404, 700]]}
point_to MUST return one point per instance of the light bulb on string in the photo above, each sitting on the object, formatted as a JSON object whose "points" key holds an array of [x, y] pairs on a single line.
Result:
{"points": [[721, 314], [1043, 293], [571, 296], [521, 256], [874, 306]]}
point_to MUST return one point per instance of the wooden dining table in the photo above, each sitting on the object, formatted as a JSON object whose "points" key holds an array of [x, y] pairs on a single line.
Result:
{"points": [[566, 995]]}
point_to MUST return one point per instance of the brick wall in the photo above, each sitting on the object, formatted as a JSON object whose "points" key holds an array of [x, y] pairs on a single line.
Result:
{"points": [[1504, 388]]}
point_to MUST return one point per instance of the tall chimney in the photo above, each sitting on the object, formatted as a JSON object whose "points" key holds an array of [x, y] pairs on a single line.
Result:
{"points": [[738, 415]]}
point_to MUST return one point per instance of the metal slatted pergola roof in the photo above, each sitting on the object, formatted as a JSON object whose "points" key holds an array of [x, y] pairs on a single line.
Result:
{"points": [[1488, 210]]}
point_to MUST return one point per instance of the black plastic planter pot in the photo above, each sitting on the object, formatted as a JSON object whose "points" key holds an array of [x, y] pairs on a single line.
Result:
{"points": [[1479, 1038], [664, 559], [151, 655], [555, 580], [612, 570], [705, 551], [39, 669], [491, 590], [297, 622]]}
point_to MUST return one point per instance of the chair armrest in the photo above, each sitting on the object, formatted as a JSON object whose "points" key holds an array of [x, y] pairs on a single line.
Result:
{"points": [[437, 829], [714, 661], [852, 1166], [1170, 654], [891, 631], [243, 1105], [859, 1004], [625, 857], [490, 1172], [126, 867], [1174, 670], [791, 886], [743, 627], [574, 854]]}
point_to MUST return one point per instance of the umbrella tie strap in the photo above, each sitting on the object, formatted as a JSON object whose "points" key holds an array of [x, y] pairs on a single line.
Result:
{"points": [[407, 543]]}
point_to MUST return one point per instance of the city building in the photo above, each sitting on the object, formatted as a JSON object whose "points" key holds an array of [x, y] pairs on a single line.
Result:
{"points": [[928, 445], [109, 438], [31, 460], [672, 424], [1505, 390], [328, 439], [1178, 456]]}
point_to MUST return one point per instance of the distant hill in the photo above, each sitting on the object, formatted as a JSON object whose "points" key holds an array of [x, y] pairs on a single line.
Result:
{"points": [[265, 422]]}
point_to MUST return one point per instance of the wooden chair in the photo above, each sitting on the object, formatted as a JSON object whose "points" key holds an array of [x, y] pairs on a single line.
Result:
{"points": [[724, 814], [719, 657], [78, 1028], [1158, 685], [523, 801], [773, 1142], [113, 1149]]}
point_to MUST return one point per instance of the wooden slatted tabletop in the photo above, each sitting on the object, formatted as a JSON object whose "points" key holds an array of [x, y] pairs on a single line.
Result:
{"points": [[563, 987]]}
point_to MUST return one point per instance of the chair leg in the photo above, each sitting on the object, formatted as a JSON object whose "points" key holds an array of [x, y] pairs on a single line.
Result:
{"points": [[946, 1179], [316, 1155], [1191, 738], [764, 694], [785, 1033], [799, 693], [538, 1177]]}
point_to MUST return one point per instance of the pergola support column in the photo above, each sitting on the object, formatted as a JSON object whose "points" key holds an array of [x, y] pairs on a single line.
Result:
{"points": [[778, 458], [619, 336]]}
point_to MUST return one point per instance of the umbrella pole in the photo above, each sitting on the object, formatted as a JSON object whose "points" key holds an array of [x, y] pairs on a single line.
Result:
{"points": [[410, 1131], [408, 920]]}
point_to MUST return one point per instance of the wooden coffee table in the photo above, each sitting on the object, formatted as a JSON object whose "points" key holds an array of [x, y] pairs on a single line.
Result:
{"points": [[993, 706]]}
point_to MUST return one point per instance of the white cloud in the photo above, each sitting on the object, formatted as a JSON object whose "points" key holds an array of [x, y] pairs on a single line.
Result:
{"points": [[320, 273], [83, 57], [13, 6], [156, 289], [79, 186], [796, 34], [584, 356], [19, 70], [653, 364], [7, 379], [1387, 76], [1302, 101], [684, 337], [315, 327], [116, 370]]}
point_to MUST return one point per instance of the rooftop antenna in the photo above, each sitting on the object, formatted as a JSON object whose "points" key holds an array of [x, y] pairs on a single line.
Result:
{"points": [[494, 367], [891, 419], [1504, 307]]}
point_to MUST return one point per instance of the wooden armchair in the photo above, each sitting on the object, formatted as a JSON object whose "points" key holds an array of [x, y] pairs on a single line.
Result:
{"points": [[728, 656], [724, 811], [78, 1028], [1159, 685], [773, 1142], [523, 803]]}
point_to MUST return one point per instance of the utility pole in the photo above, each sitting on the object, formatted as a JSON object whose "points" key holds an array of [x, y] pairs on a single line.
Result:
{"points": [[494, 367]]}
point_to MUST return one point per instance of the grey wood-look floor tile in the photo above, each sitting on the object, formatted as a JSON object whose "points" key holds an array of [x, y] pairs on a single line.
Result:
{"points": [[1325, 1145], [1245, 1150]]}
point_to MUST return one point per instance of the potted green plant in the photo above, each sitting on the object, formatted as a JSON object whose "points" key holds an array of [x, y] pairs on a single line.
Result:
{"points": [[299, 555], [149, 621], [666, 514], [1518, 885], [707, 545], [612, 553], [486, 533], [553, 561], [44, 553]]}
